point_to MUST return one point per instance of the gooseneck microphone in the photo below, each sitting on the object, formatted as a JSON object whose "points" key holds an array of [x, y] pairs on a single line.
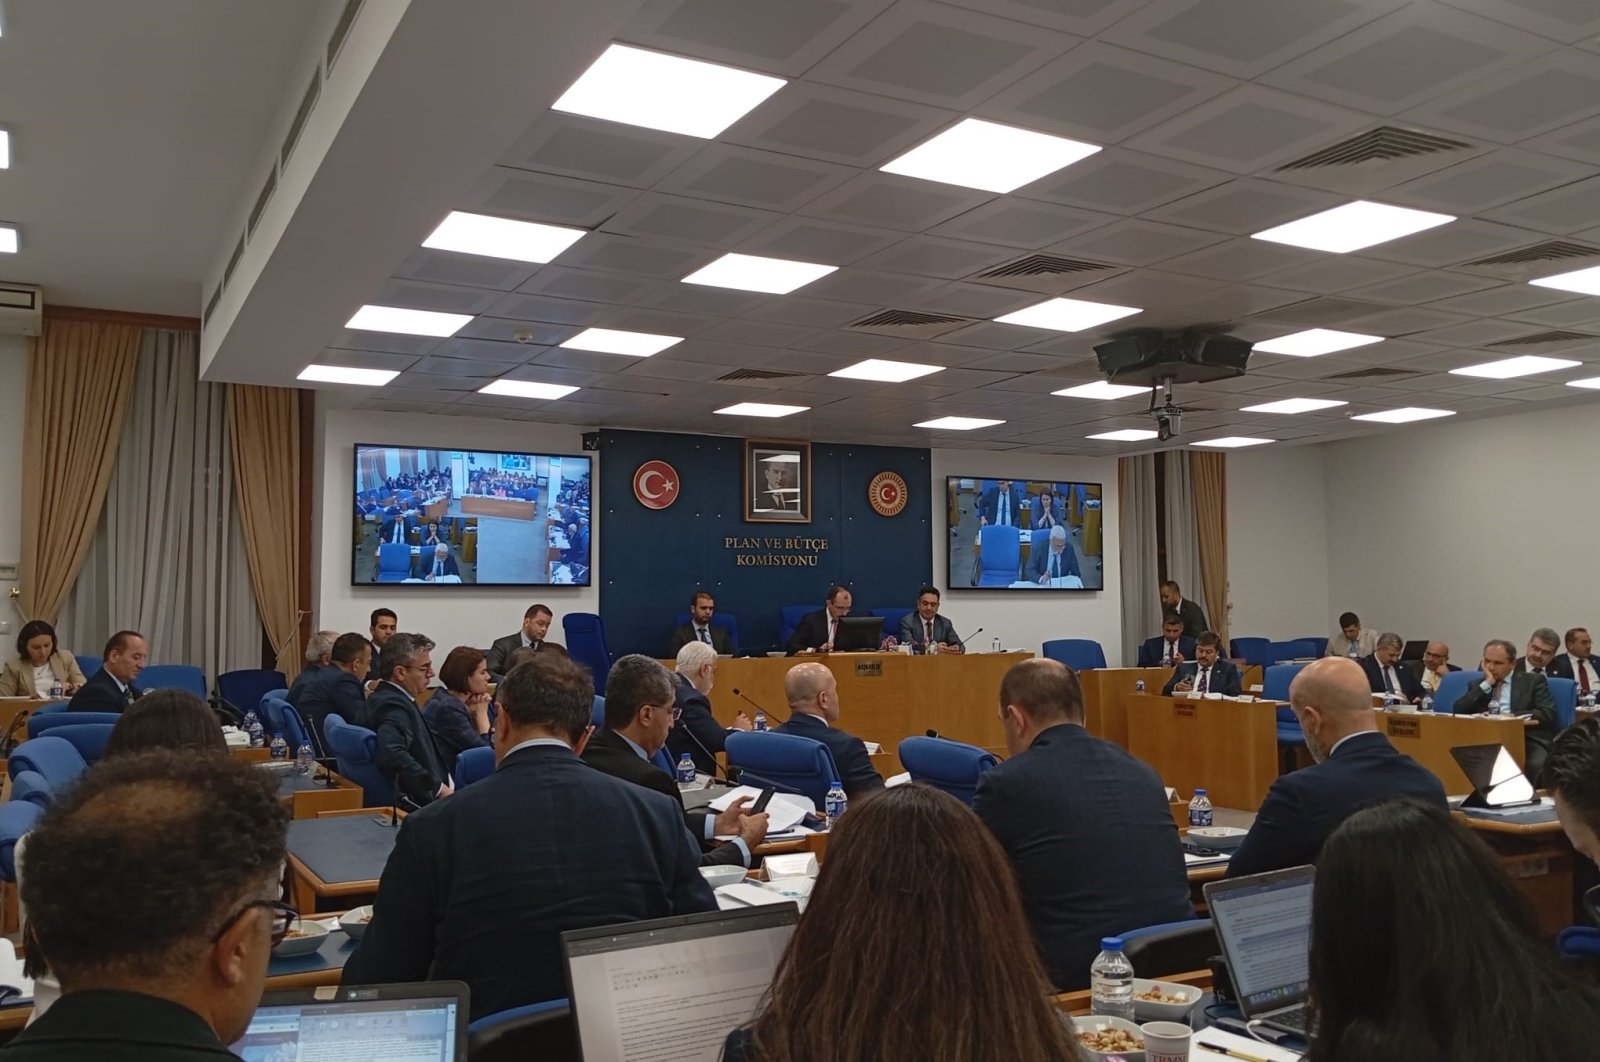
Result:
{"points": [[740, 694], [963, 641]]}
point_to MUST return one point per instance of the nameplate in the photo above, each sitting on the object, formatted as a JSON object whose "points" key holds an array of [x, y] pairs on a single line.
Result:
{"points": [[1183, 709], [1404, 728], [869, 669]]}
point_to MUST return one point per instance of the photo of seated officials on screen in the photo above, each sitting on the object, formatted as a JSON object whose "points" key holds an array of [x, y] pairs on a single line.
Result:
{"points": [[465, 517], [1024, 534]]}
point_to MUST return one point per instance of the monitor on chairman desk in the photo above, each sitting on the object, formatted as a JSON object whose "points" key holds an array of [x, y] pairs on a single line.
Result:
{"points": [[858, 634]]}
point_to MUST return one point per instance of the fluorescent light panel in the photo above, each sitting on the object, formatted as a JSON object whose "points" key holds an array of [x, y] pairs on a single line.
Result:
{"points": [[526, 389], [1314, 342], [616, 341], [1509, 368], [5, 150], [748, 272], [1353, 226], [958, 423], [657, 91], [400, 320], [9, 240], [886, 371], [1294, 405], [1068, 315], [1404, 415], [1125, 435], [342, 374], [1232, 442], [1582, 281], [1592, 382], [992, 157], [761, 409], [1102, 391], [520, 241]]}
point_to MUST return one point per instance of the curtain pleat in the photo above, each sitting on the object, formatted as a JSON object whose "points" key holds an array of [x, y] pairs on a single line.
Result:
{"points": [[1209, 478], [1141, 600], [266, 463], [1183, 547]]}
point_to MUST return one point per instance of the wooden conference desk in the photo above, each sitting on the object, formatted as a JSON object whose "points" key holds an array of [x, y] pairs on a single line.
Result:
{"points": [[509, 508], [1104, 690]]}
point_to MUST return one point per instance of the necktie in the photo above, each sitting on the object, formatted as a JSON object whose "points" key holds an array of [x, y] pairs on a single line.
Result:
{"points": [[927, 638], [832, 624], [1166, 657], [1583, 675], [438, 567], [1055, 565], [1005, 508], [705, 636], [1205, 680], [1538, 671], [1388, 680]]}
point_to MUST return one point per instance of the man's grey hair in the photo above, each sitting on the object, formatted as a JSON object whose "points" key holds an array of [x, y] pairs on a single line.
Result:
{"points": [[1510, 650], [399, 651], [1390, 640], [1058, 534], [694, 656], [320, 645], [1546, 636]]}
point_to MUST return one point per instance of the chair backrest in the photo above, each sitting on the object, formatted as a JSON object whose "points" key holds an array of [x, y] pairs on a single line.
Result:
{"points": [[42, 724], [295, 732], [88, 664], [1565, 693], [1000, 562], [1080, 654], [1296, 650], [1250, 650], [787, 759], [88, 738], [891, 619], [1452, 688], [271, 712], [355, 748], [597, 712], [32, 786], [173, 677], [1170, 948], [545, 1031], [944, 764], [55, 758], [17, 817], [789, 617], [394, 562], [586, 643], [723, 620], [244, 688], [1318, 645], [1275, 681], [472, 765]]}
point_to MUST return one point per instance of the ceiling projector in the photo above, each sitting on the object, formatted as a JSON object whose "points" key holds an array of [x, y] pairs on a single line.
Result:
{"points": [[1157, 359]]}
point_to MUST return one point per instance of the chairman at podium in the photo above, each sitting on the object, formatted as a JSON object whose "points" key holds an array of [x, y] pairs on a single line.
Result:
{"points": [[816, 631]]}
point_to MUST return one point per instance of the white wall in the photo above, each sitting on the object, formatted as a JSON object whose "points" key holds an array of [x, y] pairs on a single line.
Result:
{"points": [[13, 416], [1278, 543], [1021, 619], [450, 617]]}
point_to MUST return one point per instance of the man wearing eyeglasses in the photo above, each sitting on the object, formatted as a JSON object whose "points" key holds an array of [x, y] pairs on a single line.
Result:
{"points": [[172, 965], [640, 711], [406, 751]]}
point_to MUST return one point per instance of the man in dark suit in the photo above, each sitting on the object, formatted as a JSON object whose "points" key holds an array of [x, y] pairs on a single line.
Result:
{"points": [[697, 731], [1194, 617], [1208, 673], [1434, 666], [813, 695], [380, 625], [1169, 650], [578, 541], [925, 628], [440, 564], [535, 625], [1385, 673], [639, 716], [406, 750], [816, 630], [1056, 561], [319, 652], [699, 628], [1577, 663], [1507, 692], [1001, 505], [397, 529], [338, 689], [111, 689], [1355, 766], [1540, 656], [1087, 827]]}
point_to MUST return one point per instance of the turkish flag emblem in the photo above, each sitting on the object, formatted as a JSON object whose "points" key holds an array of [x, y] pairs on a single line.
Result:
{"points": [[655, 484]]}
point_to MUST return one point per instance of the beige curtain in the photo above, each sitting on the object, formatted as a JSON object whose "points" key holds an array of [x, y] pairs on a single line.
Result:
{"points": [[1209, 475], [1141, 585], [265, 434], [80, 374]]}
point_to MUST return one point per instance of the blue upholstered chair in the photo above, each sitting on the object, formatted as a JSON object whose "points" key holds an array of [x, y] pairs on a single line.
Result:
{"points": [[1565, 693], [1250, 650], [1080, 654], [57, 759], [597, 712], [173, 677], [88, 664], [1275, 681], [891, 619], [270, 712], [789, 617], [724, 620], [1297, 650], [1170, 948], [42, 723], [88, 738], [949, 765], [796, 762], [355, 749], [586, 643], [296, 732], [31, 786], [244, 688], [1320, 645], [473, 765], [394, 562], [1000, 555], [17, 817], [544, 1031], [1452, 688]]}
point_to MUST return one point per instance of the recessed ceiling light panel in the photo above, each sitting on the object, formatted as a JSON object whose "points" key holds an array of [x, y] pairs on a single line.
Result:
{"points": [[1353, 226], [761, 409], [526, 389], [1314, 342], [1405, 415], [5, 150], [1125, 435], [958, 423], [1102, 391], [1592, 382], [9, 241], [989, 156], [406, 322], [886, 371], [748, 272], [1582, 281], [616, 341], [342, 374], [666, 92], [1294, 405], [1510, 368], [520, 241], [1232, 442], [1068, 315]]}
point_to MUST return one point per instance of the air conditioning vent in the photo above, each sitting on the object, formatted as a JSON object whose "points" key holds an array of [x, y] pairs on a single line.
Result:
{"points": [[21, 310], [1537, 339], [1379, 146], [1042, 273], [211, 305], [1537, 260], [262, 199], [910, 324], [1375, 373], [296, 127], [233, 260], [745, 375], [341, 30]]}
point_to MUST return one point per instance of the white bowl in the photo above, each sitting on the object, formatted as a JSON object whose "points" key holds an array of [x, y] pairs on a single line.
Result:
{"points": [[1222, 838], [309, 939], [717, 877], [355, 921], [1095, 1022], [1149, 1010]]}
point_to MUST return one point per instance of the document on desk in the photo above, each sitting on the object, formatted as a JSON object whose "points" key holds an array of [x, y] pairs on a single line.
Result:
{"points": [[783, 812], [1206, 1040]]}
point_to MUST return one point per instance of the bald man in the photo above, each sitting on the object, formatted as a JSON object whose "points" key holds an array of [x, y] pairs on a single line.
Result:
{"points": [[1356, 766], [813, 695], [1435, 666]]}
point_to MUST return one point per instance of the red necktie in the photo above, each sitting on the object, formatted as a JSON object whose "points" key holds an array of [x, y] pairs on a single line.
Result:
{"points": [[928, 639], [1583, 675]]}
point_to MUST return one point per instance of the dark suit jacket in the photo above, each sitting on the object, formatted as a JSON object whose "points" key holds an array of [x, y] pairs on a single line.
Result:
{"points": [[1303, 807], [308, 677], [1410, 684], [101, 694], [989, 508], [110, 1026], [849, 753], [386, 532], [1530, 695], [425, 565], [695, 724], [405, 744], [481, 885], [1151, 652], [451, 723], [1091, 837], [1560, 666], [1039, 561], [337, 692], [912, 632], [683, 635], [1224, 678], [1194, 617], [810, 633], [608, 752]]}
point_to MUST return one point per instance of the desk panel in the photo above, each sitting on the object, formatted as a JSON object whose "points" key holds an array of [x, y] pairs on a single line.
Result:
{"points": [[509, 508], [1428, 739], [1104, 690], [1229, 748]]}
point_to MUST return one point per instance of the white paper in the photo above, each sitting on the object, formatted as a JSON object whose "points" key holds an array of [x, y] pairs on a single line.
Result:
{"points": [[898, 779], [751, 894], [791, 865], [873, 748], [11, 973], [1242, 1044], [784, 810]]}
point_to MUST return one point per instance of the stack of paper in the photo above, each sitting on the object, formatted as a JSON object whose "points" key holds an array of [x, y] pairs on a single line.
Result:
{"points": [[1238, 1047], [784, 811]]}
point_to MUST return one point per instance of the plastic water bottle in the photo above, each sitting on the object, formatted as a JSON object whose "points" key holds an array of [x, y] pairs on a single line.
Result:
{"points": [[252, 727], [1427, 702], [686, 769], [304, 758], [279, 749], [994, 647], [837, 802], [1138, 685], [1200, 809], [56, 691], [761, 720], [1111, 981]]}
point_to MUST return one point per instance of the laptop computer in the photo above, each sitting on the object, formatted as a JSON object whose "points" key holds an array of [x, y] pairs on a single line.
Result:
{"points": [[858, 634], [672, 989], [424, 1020], [1497, 781], [1413, 651], [1264, 924]]}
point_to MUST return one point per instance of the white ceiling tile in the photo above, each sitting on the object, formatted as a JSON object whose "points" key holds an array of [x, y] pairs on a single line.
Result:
{"points": [[814, 240], [758, 333], [1120, 181], [1242, 259], [678, 219], [1133, 242], [1477, 333], [443, 298], [1336, 273], [1580, 140], [1453, 244], [892, 201], [1568, 21], [616, 253], [1243, 206], [815, 313], [512, 193], [933, 257], [783, 37], [1233, 302], [1505, 299], [1487, 181], [1561, 211], [1444, 290], [764, 179], [604, 151], [586, 284], [388, 361], [1085, 17], [655, 321], [706, 300], [1523, 102], [486, 331], [1250, 129], [1021, 223], [551, 311], [1563, 314], [970, 300], [464, 270], [837, 125], [865, 286]]}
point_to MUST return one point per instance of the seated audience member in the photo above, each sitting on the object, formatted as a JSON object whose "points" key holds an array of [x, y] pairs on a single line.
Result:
{"points": [[1435, 665], [1172, 648], [319, 657], [430, 537], [174, 968], [458, 711], [383, 623], [925, 627], [1541, 652], [813, 695], [577, 551], [1572, 775], [1047, 511], [1087, 827], [397, 529], [1208, 673], [1507, 692], [639, 715], [1422, 948], [1577, 663], [166, 719], [699, 628], [535, 625], [1355, 766], [953, 953], [406, 749], [39, 665], [111, 689], [1353, 640], [1056, 562], [440, 564], [1385, 674], [697, 732], [480, 887], [1194, 618], [338, 690], [816, 630]]}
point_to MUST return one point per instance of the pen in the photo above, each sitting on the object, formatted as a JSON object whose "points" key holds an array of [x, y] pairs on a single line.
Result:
{"points": [[1228, 1051]]}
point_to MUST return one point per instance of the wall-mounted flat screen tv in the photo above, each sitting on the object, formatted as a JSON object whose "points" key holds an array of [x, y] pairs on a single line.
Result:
{"points": [[470, 518], [1024, 534]]}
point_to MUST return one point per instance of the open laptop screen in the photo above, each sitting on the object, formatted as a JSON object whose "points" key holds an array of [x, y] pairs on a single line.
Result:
{"points": [[356, 1023], [1264, 924], [672, 989]]}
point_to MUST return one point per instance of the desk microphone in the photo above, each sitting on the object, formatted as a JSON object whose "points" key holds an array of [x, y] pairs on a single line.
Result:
{"points": [[963, 641], [711, 756], [740, 694], [931, 732]]}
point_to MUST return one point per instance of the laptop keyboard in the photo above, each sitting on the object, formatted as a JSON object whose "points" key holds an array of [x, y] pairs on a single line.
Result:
{"points": [[1294, 1019]]}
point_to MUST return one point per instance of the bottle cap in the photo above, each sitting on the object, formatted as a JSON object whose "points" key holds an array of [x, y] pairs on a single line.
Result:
{"points": [[836, 784], [1110, 943], [1199, 792]]}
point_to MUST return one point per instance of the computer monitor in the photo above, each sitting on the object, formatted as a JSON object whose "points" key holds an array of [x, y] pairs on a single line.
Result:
{"points": [[1413, 651], [858, 634], [423, 1020], [1497, 781], [1263, 922], [672, 989]]}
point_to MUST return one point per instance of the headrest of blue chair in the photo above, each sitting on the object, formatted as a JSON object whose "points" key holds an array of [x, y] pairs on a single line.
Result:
{"points": [[537, 1030], [31, 786], [17, 817], [55, 758], [88, 738], [948, 765], [597, 713], [788, 759], [474, 765], [44, 723], [355, 743], [1452, 688]]}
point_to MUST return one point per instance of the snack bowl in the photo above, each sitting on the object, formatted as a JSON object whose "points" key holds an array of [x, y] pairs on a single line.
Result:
{"points": [[1157, 1010], [305, 937], [717, 877], [355, 921], [1103, 1023], [1222, 838]]}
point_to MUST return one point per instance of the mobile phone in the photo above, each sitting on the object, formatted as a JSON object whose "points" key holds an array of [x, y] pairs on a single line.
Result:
{"points": [[761, 801]]}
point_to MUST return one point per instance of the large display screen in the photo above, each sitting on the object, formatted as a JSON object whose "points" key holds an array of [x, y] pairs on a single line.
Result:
{"points": [[1024, 534], [470, 518]]}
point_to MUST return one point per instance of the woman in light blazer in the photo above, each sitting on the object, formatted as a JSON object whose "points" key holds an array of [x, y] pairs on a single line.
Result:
{"points": [[37, 662]]}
